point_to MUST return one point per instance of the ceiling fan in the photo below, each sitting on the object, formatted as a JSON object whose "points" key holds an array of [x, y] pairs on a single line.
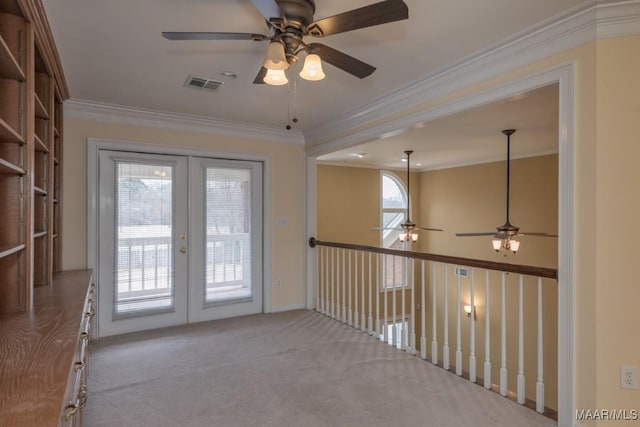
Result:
{"points": [[292, 20], [408, 229], [505, 234]]}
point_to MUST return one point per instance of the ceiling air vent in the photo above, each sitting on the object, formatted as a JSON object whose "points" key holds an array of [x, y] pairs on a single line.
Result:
{"points": [[202, 83]]}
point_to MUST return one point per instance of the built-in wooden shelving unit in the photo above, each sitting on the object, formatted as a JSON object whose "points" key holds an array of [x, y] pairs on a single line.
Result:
{"points": [[32, 91]]}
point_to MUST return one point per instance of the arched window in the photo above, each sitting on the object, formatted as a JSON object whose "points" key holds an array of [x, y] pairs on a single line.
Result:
{"points": [[393, 208]]}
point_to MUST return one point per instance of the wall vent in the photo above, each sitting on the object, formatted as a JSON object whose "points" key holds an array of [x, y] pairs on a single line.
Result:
{"points": [[462, 272], [202, 83]]}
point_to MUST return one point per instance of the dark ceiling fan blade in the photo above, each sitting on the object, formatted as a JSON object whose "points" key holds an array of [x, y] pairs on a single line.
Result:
{"points": [[268, 8], [386, 228], [537, 234], [343, 61], [368, 16], [429, 229], [192, 35], [488, 233], [259, 80]]}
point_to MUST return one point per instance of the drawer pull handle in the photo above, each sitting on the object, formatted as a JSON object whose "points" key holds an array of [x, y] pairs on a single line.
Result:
{"points": [[77, 366], [90, 313], [83, 394], [70, 411]]}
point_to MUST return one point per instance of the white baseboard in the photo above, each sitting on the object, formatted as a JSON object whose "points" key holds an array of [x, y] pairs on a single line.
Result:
{"points": [[281, 308]]}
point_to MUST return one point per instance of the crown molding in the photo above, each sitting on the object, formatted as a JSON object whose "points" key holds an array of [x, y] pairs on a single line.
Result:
{"points": [[112, 113], [571, 29]]}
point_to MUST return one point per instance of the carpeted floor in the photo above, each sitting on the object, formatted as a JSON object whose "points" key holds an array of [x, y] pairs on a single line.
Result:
{"points": [[288, 369]]}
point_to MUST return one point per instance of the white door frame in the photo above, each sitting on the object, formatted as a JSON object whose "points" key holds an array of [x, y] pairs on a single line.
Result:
{"points": [[564, 76], [94, 145]]}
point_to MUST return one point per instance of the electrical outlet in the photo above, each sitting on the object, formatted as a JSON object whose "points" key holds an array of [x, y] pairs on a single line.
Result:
{"points": [[629, 377]]}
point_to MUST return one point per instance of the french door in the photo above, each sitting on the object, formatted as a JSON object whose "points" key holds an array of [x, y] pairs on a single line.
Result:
{"points": [[180, 240]]}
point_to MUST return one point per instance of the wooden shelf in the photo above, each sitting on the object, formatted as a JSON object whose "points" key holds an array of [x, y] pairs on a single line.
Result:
{"points": [[39, 234], [56, 132], [9, 168], [9, 67], [40, 146], [39, 190], [8, 134], [55, 201], [6, 251], [55, 161], [41, 111], [55, 235]]}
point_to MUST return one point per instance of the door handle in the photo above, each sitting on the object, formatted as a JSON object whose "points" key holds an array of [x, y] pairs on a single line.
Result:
{"points": [[183, 250]]}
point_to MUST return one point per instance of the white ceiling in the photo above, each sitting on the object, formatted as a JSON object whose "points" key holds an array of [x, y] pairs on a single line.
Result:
{"points": [[113, 52], [470, 137]]}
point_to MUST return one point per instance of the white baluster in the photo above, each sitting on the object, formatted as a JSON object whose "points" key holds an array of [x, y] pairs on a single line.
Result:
{"points": [[319, 269], [394, 333], [356, 284], [327, 278], [333, 282], [338, 282], [412, 340], [378, 275], [445, 345], [540, 383], [503, 345], [343, 315], [349, 311], [458, 332], [423, 314], [385, 329], [487, 335], [472, 333], [363, 325], [405, 283], [349, 305], [520, 396], [371, 330], [434, 309]]}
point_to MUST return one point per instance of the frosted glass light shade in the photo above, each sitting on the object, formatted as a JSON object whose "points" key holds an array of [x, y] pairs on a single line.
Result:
{"points": [[515, 245], [275, 58], [312, 69], [276, 78], [497, 244]]}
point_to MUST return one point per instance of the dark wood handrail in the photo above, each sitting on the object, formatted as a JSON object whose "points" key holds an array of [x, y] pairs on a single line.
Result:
{"points": [[469, 262]]}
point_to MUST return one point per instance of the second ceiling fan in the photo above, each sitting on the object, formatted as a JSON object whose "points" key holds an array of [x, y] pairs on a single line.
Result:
{"points": [[291, 21], [504, 236], [408, 229]]}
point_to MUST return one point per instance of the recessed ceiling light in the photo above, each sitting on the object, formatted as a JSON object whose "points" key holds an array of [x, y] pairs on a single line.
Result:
{"points": [[360, 155], [229, 74]]}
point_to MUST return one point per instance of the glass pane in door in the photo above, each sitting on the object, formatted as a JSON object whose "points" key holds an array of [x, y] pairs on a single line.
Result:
{"points": [[144, 239], [228, 235]]}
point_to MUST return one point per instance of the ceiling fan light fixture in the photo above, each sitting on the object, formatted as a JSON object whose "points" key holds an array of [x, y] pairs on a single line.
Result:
{"points": [[514, 245], [312, 69], [497, 244], [275, 58], [276, 78]]}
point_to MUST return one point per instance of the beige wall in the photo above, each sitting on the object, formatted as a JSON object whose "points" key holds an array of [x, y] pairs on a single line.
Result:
{"points": [[617, 219], [287, 198], [349, 203]]}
